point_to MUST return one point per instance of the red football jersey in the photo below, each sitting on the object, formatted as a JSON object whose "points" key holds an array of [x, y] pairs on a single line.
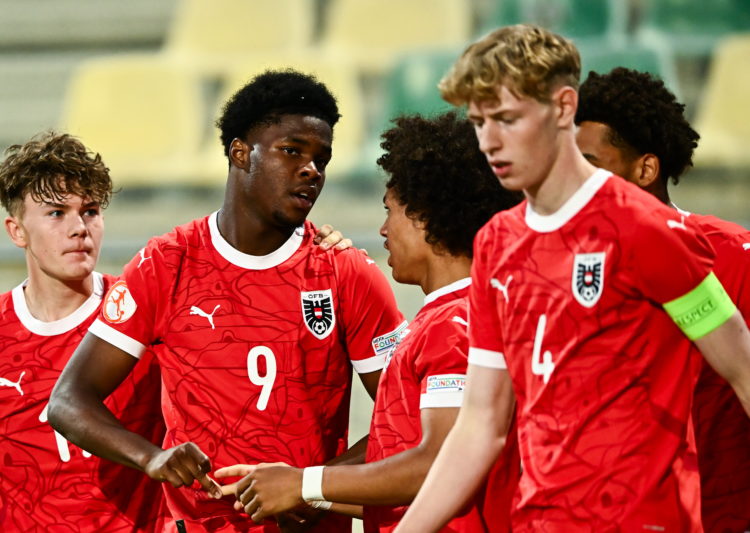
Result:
{"points": [[722, 428], [428, 370], [256, 353], [46, 483], [572, 304]]}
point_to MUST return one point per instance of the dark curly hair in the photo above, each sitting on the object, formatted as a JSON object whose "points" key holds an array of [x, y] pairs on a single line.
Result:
{"points": [[438, 173], [270, 95], [644, 116], [50, 166]]}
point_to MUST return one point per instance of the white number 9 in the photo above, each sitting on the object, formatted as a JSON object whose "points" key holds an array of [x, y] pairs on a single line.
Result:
{"points": [[265, 382]]}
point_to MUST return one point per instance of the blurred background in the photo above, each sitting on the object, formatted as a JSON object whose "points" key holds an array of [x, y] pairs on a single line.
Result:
{"points": [[142, 82]]}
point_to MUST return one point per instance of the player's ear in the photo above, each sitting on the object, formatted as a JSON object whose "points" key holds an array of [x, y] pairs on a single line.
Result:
{"points": [[239, 154], [565, 100], [15, 231], [648, 170]]}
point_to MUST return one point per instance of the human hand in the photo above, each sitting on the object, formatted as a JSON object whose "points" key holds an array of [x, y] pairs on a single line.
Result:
{"points": [[181, 465], [269, 490], [327, 237]]}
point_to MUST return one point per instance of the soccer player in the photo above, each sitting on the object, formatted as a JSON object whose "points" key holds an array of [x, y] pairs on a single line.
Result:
{"points": [[631, 124], [428, 231], [578, 300], [256, 330], [54, 191]]}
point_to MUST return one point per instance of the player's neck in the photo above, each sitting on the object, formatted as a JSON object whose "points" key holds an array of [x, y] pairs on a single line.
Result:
{"points": [[50, 299], [567, 174], [248, 234], [442, 270]]}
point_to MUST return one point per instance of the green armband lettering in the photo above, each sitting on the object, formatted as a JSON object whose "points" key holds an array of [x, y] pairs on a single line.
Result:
{"points": [[703, 309]]}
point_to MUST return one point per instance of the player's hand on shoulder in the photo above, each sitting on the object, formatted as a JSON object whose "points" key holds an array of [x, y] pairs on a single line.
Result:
{"points": [[327, 238], [181, 465], [269, 490]]}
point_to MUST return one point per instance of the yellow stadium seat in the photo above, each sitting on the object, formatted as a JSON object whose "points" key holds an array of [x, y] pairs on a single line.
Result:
{"points": [[723, 118], [373, 33], [145, 115], [341, 81], [209, 32]]}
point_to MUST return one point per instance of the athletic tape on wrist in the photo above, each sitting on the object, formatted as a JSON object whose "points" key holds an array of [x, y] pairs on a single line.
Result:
{"points": [[320, 504], [312, 483]]}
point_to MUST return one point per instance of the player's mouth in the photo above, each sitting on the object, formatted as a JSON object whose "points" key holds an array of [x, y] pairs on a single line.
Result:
{"points": [[81, 251], [500, 168], [305, 198]]}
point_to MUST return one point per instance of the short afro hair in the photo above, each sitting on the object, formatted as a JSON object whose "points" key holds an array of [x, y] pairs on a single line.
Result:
{"points": [[50, 166], [438, 173], [270, 95], [644, 116]]}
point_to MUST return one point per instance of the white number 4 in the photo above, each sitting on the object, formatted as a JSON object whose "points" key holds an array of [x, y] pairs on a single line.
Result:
{"points": [[541, 364], [62, 445], [265, 382]]}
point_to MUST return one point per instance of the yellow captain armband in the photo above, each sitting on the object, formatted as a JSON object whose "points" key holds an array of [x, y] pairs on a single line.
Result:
{"points": [[703, 309]]}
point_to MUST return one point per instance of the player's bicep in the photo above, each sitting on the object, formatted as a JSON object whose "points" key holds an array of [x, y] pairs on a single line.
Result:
{"points": [[370, 381], [489, 400], [436, 424], [727, 350], [96, 367]]}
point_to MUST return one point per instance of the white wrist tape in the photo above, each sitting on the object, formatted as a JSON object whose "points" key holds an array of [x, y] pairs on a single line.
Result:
{"points": [[312, 483], [320, 504]]}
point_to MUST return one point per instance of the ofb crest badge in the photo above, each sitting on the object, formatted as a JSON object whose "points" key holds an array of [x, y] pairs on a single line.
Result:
{"points": [[588, 278], [317, 310]]}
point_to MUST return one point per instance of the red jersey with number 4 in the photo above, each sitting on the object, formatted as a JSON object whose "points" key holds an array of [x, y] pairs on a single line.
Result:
{"points": [[46, 483], [428, 371], [572, 303], [722, 428], [256, 353]]}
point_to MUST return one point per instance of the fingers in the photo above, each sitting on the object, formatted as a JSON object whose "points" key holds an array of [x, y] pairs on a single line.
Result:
{"points": [[181, 465], [234, 471], [323, 232], [344, 244]]}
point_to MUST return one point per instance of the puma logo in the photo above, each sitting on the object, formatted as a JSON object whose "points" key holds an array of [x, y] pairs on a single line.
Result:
{"points": [[15, 384], [746, 246], [460, 321], [142, 253], [502, 288], [673, 224], [200, 312]]}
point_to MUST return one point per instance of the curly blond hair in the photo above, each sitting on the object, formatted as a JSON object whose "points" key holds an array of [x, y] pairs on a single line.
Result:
{"points": [[527, 60], [50, 166]]}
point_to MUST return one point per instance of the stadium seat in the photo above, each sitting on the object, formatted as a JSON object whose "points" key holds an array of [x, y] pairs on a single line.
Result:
{"points": [[343, 83], [144, 114], [373, 33], [723, 117], [211, 33], [692, 27]]}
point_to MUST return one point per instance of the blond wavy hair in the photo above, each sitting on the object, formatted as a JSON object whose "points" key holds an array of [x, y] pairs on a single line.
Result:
{"points": [[50, 166], [527, 60]]}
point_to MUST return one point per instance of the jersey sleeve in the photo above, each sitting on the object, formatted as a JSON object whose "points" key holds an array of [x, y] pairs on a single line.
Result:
{"points": [[485, 340], [372, 322], [671, 255], [127, 318], [441, 363]]}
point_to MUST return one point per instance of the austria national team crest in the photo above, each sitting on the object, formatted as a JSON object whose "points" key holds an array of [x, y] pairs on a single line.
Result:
{"points": [[317, 310], [588, 278]]}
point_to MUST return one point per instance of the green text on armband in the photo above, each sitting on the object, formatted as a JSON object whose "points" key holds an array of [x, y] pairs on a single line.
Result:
{"points": [[703, 309]]}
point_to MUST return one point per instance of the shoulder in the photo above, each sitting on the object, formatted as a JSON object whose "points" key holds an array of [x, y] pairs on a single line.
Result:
{"points": [[719, 229]]}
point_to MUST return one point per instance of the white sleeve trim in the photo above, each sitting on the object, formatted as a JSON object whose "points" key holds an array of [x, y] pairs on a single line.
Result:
{"points": [[371, 364], [442, 399], [487, 358], [116, 338]]}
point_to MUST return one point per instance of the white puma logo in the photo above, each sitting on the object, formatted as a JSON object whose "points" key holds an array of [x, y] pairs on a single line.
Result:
{"points": [[502, 288], [369, 261], [673, 224], [746, 246], [142, 253], [200, 312], [460, 321], [15, 384]]}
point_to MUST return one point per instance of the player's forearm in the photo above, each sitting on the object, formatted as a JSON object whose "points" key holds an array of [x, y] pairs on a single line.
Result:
{"points": [[353, 456], [86, 422]]}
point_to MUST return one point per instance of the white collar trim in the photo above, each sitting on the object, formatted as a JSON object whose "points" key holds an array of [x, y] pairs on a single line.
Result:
{"points": [[447, 289], [57, 327], [253, 262], [574, 204]]}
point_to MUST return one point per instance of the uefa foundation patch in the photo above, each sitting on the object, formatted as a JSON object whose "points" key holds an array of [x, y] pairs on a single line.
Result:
{"points": [[445, 383]]}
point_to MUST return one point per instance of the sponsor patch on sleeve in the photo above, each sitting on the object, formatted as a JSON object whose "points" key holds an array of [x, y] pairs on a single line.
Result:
{"points": [[118, 305], [385, 343], [445, 383]]}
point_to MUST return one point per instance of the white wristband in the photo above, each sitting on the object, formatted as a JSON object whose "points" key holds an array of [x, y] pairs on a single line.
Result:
{"points": [[312, 483], [320, 504]]}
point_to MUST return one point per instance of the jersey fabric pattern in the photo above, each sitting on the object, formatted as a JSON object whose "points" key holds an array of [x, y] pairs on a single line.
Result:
{"points": [[46, 483], [722, 428], [428, 370], [256, 353], [603, 390]]}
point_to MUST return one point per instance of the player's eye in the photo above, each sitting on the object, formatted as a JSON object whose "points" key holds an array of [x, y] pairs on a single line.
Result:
{"points": [[55, 213], [291, 150], [92, 212]]}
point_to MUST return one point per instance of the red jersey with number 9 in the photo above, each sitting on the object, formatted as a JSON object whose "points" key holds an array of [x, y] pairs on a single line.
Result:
{"points": [[572, 304], [256, 353]]}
